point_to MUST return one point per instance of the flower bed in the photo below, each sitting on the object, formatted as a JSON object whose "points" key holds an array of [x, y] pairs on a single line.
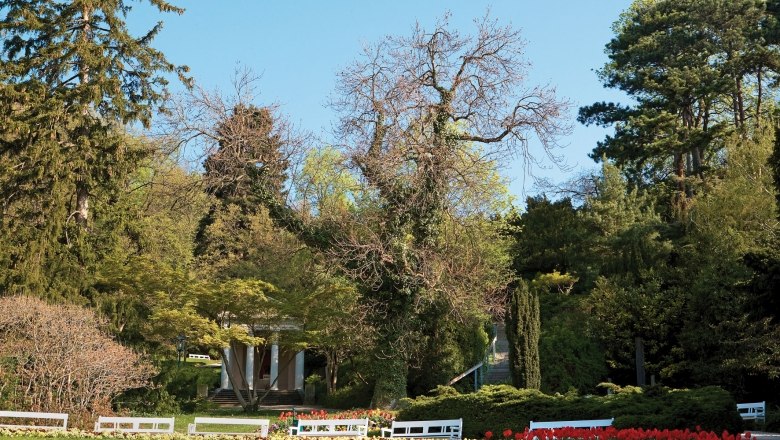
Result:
{"points": [[612, 433], [377, 419]]}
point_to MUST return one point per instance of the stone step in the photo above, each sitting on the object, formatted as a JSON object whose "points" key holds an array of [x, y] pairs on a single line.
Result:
{"points": [[274, 397], [499, 367]]}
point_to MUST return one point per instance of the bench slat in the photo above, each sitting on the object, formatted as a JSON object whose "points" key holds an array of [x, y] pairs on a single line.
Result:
{"points": [[332, 428], [120, 424], [35, 415], [598, 423], [425, 428], [752, 411]]}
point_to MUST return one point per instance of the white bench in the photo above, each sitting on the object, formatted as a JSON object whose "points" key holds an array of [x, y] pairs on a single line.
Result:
{"points": [[199, 356], [425, 429], [59, 421], [599, 423], [192, 429], [135, 424], [752, 411], [331, 428]]}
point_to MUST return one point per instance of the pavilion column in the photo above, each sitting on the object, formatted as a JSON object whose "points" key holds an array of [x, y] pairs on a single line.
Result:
{"points": [[274, 366], [299, 370], [224, 381], [249, 371]]}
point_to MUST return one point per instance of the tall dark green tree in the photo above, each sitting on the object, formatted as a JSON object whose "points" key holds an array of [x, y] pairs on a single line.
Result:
{"points": [[522, 330], [549, 236], [72, 77], [695, 70]]}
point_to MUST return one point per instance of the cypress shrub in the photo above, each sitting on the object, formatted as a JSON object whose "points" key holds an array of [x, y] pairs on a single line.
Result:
{"points": [[522, 331], [499, 407]]}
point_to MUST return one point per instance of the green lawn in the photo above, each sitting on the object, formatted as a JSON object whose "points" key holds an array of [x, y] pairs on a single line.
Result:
{"points": [[182, 420]]}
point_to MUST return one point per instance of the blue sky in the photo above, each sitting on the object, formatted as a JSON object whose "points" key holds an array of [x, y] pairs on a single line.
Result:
{"points": [[298, 46]]}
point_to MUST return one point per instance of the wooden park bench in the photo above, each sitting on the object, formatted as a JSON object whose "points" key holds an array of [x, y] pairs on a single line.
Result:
{"points": [[752, 411], [152, 425], [56, 421], [599, 423], [262, 424], [331, 428], [425, 429]]}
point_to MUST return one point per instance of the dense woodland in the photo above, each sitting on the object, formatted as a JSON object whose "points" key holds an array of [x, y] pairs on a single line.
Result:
{"points": [[395, 243]]}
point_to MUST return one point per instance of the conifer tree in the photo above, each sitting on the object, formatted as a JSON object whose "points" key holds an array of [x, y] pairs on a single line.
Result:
{"points": [[71, 77], [696, 70], [522, 330]]}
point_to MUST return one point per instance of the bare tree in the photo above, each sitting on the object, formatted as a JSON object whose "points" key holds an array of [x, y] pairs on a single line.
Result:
{"points": [[425, 121], [56, 358], [419, 116]]}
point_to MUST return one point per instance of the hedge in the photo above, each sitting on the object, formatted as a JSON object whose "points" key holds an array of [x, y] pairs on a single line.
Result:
{"points": [[499, 407]]}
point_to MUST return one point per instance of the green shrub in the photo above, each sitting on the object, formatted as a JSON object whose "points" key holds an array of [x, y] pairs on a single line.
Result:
{"points": [[499, 407], [175, 390], [356, 395], [772, 418]]}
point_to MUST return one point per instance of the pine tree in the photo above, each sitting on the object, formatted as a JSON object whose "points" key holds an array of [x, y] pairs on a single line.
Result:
{"points": [[522, 329], [71, 77], [696, 70]]}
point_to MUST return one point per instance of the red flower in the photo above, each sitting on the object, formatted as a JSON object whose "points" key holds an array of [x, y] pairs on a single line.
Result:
{"points": [[507, 433], [488, 435], [748, 435], [519, 436]]}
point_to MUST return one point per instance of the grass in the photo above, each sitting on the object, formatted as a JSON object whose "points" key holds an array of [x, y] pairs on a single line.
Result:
{"points": [[183, 420]]}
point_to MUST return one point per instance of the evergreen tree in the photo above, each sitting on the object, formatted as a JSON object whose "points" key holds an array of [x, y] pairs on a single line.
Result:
{"points": [[72, 77], [696, 70], [522, 330]]}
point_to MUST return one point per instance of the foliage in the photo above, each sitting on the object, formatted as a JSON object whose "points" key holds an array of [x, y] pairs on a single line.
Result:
{"points": [[511, 408], [377, 418], [174, 390], [549, 236], [352, 395], [696, 69], [336, 324], [732, 224], [422, 138], [60, 360], [570, 358], [453, 348], [522, 331], [154, 221], [71, 77], [611, 433]]}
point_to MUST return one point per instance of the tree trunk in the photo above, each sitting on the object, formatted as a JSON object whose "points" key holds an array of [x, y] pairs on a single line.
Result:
{"points": [[680, 198], [758, 98], [640, 361], [82, 192], [740, 102], [233, 382], [82, 205], [331, 371]]}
